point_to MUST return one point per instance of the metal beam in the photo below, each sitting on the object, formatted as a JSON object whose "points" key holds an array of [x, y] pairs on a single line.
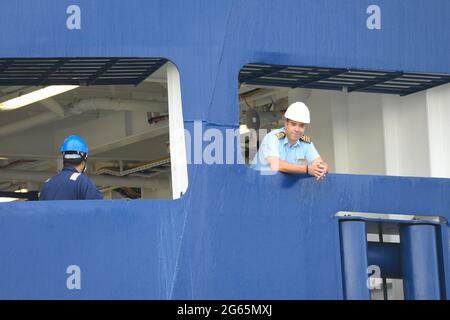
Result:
{"points": [[30, 195], [426, 87], [377, 80], [100, 180], [325, 76]]}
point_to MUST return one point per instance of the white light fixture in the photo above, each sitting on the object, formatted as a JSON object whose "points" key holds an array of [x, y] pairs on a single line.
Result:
{"points": [[22, 99], [6, 199]]}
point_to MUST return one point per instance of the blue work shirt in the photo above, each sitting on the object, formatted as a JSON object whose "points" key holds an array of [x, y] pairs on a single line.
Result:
{"points": [[69, 184], [300, 153]]}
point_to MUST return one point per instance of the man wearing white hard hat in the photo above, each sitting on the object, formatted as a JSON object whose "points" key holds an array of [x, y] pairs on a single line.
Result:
{"points": [[288, 149]]}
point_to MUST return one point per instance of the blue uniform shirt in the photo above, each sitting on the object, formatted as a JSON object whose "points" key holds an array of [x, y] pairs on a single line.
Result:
{"points": [[69, 184], [300, 153]]}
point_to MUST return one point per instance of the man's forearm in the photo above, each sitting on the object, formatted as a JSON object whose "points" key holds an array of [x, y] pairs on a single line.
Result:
{"points": [[286, 167]]}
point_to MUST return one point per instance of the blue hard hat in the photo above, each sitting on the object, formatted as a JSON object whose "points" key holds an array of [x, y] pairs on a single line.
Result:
{"points": [[75, 144]]}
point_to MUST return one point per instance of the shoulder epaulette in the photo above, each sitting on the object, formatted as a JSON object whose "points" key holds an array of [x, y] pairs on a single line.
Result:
{"points": [[305, 138], [281, 135]]}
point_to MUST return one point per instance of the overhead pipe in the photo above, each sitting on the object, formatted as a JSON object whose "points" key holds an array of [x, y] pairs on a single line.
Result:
{"points": [[100, 180], [10, 89], [57, 112], [28, 123], [53, 106], [117, 105], [262, 98]]}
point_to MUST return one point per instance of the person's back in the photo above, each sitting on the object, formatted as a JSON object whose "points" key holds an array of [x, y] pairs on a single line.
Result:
{"points": [[69, 184]]}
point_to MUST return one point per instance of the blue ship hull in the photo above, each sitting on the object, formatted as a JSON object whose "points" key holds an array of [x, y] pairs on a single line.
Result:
{"points": [[235, 234]]}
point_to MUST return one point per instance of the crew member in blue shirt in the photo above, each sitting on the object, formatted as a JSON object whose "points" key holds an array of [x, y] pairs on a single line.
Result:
{"points": [[71, 183], [288, 149]]}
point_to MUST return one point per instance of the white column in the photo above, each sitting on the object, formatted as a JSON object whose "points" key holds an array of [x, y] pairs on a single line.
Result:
{"points": [[406, 135], [438, 116], [176, 132], [365, 132], [391, 128], [321, 127], [339, 112]]}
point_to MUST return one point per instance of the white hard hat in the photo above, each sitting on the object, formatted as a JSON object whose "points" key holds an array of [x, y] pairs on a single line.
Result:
{"points": [[298, 111]]}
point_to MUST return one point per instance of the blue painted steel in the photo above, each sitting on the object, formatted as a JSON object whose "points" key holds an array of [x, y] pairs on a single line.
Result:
{"points": [[420, 260], [387, 256], [444, 248], [249, 236], [354, 259]]}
